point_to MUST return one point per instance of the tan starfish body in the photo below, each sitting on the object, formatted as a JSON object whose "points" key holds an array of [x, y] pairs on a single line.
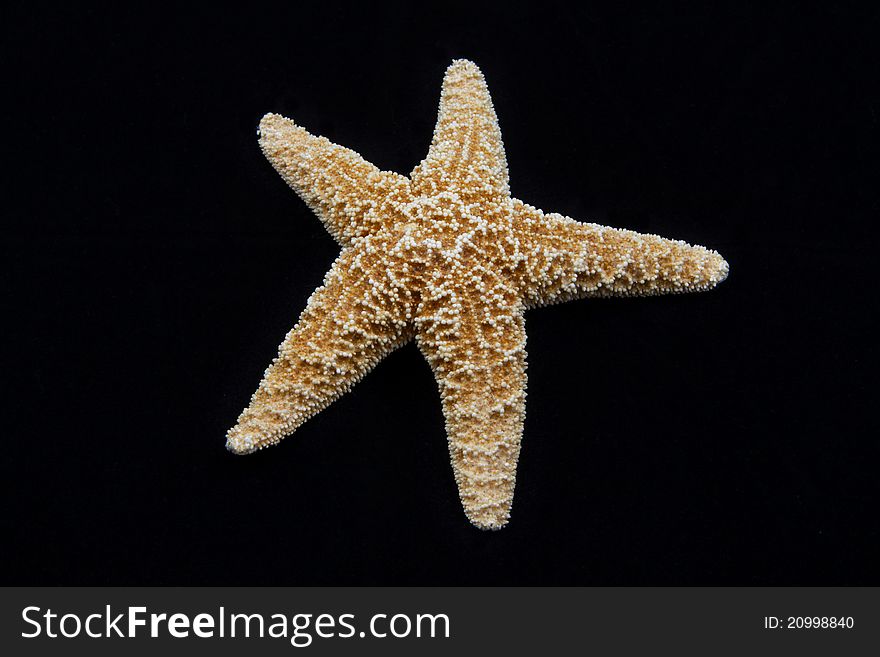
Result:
{"points": [[447, 257]]}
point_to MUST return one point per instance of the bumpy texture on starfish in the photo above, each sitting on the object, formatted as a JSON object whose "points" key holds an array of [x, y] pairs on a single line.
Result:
{"points": [[447, 257]]}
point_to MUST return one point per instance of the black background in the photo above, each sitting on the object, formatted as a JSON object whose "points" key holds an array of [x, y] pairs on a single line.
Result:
{"points": [[153, 261]]}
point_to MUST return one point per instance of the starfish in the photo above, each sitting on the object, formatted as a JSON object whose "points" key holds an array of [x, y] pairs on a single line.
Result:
{"points": [[446, 257]]}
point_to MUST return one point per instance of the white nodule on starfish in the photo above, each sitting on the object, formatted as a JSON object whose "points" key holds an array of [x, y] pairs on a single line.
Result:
{"points": [[446, 257]]}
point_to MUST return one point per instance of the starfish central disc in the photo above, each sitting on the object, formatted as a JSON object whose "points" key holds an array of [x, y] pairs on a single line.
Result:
{"points": [[446, 257]]}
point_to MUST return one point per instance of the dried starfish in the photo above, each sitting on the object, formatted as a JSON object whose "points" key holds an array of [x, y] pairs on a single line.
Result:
{"points": [[449, 258]]}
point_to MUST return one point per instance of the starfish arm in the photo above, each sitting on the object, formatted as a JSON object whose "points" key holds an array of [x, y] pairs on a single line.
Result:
{"points": [[467, 153], [565, 259], [350, 323], [476, 349], [352, 197]]}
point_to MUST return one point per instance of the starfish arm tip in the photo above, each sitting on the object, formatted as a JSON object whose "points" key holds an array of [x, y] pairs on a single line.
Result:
{"points": [[490, 524], [239, 445], [462, 63], [272, 128], [271, 118], [491, 516], [714, 272], [464, 71], [723, 270], [265, 124]]}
